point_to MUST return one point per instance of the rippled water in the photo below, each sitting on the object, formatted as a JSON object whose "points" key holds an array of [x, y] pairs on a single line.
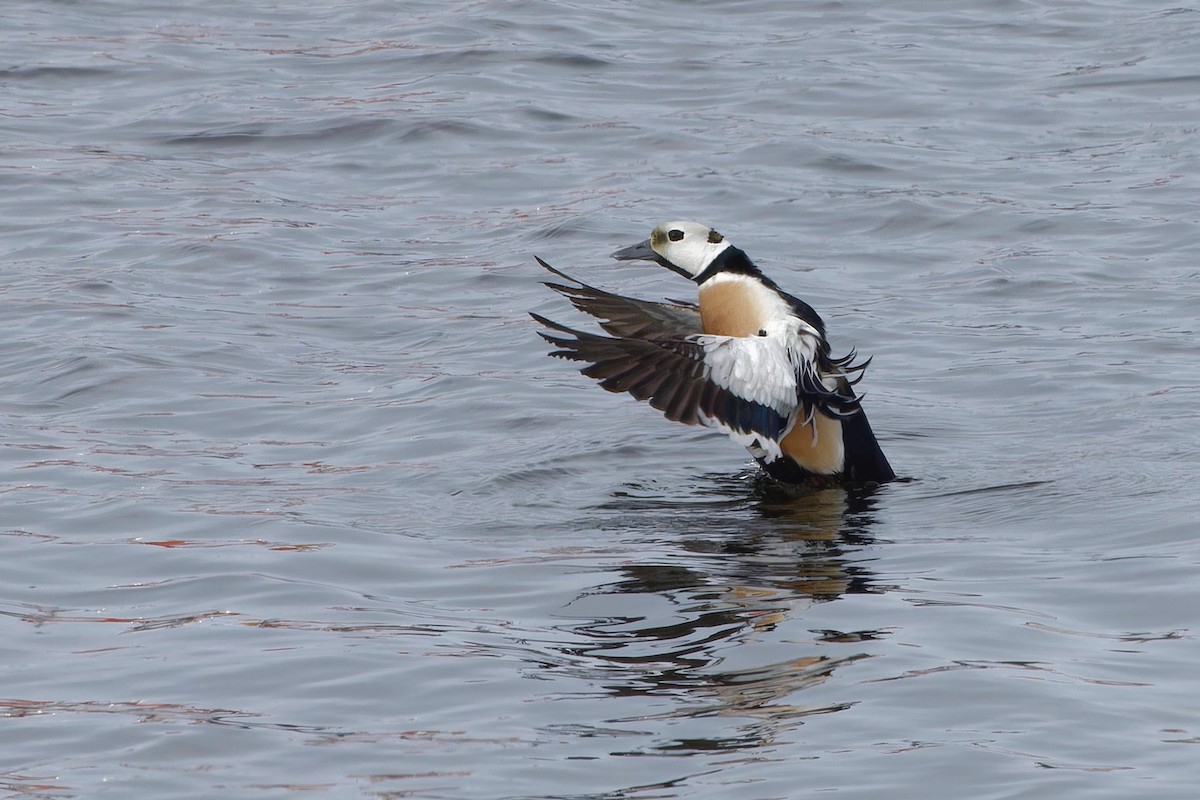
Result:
{"points": [[293, 503]]}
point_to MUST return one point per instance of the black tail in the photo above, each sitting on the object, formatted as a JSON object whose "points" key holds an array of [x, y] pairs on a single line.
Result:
{"points": [[865, 462]]}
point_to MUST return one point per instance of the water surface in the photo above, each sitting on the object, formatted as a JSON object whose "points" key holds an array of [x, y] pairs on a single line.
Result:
{"points": [[293, 503]]}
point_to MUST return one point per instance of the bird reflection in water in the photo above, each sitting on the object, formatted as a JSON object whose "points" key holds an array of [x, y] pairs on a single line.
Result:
{"points": [[735, 573]]}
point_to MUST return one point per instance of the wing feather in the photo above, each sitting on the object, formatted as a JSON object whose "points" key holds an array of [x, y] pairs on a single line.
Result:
{"points": [[689, 378], [626, 316]]}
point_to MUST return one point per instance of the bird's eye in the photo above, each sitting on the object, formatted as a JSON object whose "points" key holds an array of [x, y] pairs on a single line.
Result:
{"points": [[675, 234]]}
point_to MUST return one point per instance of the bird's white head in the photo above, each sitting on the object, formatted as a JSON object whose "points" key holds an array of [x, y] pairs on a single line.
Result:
{"points": [[684, 247]]}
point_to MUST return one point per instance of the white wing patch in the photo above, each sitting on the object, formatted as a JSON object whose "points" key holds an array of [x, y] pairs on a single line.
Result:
{"points": [[763, 369]]}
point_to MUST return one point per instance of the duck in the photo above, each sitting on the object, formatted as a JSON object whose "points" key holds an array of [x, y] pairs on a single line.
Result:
{"points": [[747, 359]]}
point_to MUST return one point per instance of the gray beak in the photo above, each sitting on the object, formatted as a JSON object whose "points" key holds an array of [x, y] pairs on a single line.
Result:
{"points": [[638, 252]]}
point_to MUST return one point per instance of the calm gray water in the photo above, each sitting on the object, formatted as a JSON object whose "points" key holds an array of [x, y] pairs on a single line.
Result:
{"points": [[293, 504]]}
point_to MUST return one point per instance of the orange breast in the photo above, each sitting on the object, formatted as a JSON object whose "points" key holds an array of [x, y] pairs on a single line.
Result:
{"points": [[730, 308], [826, 456]]}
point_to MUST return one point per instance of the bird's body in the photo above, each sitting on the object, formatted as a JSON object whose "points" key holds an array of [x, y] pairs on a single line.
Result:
{"points": [[748, 359]]}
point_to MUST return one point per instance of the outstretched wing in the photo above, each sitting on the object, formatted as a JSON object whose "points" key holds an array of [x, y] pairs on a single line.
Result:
{"points": [[625, 316], [745, 386]]}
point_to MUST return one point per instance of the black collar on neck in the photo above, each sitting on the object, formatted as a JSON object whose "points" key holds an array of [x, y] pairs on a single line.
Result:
{"points": [[728, 260]]}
